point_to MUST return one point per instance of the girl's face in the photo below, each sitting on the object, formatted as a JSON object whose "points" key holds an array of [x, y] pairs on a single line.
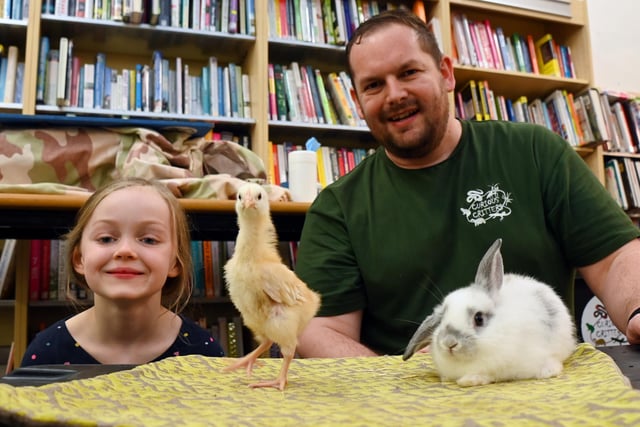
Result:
{"points": [[127, 249]]}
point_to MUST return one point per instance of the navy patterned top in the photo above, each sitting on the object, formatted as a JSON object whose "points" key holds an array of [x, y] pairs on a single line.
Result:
{"points": [[55, 346]]}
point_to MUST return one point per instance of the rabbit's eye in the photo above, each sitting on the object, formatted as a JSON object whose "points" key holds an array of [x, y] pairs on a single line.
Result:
{"points": [[478, 319]]}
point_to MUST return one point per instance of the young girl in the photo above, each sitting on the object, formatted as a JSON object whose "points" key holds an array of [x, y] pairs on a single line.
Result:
{"points": [[130, 246]]}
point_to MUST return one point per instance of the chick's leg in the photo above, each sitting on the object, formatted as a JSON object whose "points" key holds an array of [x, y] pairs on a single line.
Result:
{"points": [[249, 360], [281, 382]]}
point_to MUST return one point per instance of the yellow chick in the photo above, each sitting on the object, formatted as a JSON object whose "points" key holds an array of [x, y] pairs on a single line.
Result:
{"points": [[274, 303]]}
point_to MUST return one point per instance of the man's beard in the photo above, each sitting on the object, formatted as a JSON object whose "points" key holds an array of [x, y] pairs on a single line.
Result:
{"points": [[425, 143]]}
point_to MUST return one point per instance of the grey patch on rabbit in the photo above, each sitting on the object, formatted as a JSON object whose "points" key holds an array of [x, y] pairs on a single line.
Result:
{"points": [[526, 331]]}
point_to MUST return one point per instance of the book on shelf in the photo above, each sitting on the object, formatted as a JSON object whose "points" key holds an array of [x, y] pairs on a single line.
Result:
{"points": [[621, 123], [311, 86], [42, 66], [626, 183], [531, 51], [612, 182], [340, 100], [471, 101], [546, 53], [508, 60], [632, 177], [590, 101], [35, 270], [7, 268], [10, 74], [271, 79], [328, 109], [459, 40]]}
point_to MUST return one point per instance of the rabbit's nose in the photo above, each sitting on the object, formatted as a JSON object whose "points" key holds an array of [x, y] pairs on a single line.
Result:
{"points": [[450, 343]]}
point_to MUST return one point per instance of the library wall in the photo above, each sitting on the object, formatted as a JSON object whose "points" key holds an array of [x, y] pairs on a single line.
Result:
{"points": [[614, 44]]}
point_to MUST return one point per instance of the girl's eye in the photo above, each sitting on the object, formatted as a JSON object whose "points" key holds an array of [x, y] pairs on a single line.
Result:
{"points": [[149, 240], [105, 239]]}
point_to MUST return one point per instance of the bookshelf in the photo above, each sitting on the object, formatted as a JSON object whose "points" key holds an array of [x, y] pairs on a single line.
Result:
{"points": [[126, 44]]}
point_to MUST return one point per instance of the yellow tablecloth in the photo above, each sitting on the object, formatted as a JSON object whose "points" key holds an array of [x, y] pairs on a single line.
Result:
{"points": [[381, 391]]}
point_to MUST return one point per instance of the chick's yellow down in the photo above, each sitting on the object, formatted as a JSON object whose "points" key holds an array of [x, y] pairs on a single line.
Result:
{"points": [[274, 303]]}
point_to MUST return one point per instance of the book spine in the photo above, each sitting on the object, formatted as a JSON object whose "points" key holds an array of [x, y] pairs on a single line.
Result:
{"points": [[42, 69], [35, 271], [340, 99], [10, 76]]}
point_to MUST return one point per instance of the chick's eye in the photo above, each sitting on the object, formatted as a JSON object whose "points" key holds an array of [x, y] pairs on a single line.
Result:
{"points": [[239, 196], [478, 319], [260, 196]]}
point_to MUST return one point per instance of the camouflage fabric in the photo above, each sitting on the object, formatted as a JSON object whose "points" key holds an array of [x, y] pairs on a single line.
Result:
{"points": [[68, 160]]}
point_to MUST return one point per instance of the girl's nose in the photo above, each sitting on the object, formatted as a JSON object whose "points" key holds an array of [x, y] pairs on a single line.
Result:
{"points": [[124, 249]]}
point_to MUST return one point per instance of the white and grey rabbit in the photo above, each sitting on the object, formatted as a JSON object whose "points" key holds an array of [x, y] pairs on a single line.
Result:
{"points": [[501, 327]]}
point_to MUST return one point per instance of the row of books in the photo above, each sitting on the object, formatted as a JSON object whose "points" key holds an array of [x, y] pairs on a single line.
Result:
{"points": [[227, 16], [161, 86], [321, 21], [332, 162], [301, 93], [625, 119], [581, 119], [14, 9], [476, 43], [11, 75], [622, 179]]}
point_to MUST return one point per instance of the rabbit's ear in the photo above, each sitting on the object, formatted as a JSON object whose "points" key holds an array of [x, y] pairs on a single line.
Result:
{"points": [[491, 270], [422, 337]]}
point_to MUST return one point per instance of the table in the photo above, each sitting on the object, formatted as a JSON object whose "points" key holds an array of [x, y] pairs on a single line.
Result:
{"points": [[374, 391]]}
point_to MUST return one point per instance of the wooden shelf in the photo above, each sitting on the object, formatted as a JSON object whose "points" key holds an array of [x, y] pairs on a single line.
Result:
{"points": [[40, 216]]}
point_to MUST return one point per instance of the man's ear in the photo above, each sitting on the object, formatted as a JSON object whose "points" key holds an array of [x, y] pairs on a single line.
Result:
{"points": [[446, 70], [77, 261]]}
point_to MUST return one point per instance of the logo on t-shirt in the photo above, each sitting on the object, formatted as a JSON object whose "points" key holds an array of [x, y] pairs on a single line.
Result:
{"points": [[485, 206]]}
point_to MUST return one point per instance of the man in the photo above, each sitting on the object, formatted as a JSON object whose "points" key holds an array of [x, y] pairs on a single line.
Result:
{"points": [[384, 244]]}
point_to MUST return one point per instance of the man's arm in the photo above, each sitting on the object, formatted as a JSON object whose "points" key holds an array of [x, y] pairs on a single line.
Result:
{"points": [[615, 280], [334, 336]]}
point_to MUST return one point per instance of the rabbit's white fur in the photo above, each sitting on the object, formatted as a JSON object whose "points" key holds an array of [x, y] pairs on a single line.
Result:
{"points": [[501, 327]]}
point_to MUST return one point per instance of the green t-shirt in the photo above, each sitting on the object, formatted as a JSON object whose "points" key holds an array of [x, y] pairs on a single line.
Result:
{"points": [[394, 241]]}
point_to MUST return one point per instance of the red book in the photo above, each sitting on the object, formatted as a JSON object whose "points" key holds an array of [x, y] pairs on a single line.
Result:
{"points": [[35, 271], [531, 44], [45, 267]]}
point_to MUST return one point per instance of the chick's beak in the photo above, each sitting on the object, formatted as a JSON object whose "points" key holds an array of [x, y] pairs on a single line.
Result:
{"points": [[249, 202]]}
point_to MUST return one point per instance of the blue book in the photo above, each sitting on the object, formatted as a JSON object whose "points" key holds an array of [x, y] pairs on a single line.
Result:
{"points": [[17, 98], [99, 80], [106, 88], [511, 114], [221, 94], [206, 91], [42, 69], [157, 82], [3, 75], [165, 85], [81, 86], [233, 91], [138, 106], [198, 289]]}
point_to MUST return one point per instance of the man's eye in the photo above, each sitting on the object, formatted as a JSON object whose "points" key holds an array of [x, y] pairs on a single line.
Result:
{"points": [[371, 86]]}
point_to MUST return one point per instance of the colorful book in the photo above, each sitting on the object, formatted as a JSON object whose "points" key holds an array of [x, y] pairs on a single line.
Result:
{"points": [[548, 61]]}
